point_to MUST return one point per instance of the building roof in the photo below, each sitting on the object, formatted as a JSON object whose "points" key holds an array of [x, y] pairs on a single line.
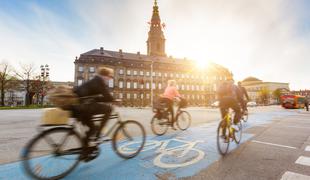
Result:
{"points": [[250, 78], [213, 67]]}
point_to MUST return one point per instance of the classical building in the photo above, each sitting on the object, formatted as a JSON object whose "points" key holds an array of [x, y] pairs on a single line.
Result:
{"points": [[140, 78], [255, 86]]}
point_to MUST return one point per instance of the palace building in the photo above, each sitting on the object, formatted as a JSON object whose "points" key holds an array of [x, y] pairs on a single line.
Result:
{"points": [[140, 78]]}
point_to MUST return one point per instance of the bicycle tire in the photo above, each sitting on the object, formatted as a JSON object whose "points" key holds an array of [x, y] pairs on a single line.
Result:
{"points": [[245, 117], [219, 138], [164, 125], [238, 139], [115, 139], [31, 144], [189, 119]]}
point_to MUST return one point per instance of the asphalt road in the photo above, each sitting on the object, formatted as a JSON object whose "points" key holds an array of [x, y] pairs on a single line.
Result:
{"points": [[19, 126], [275, 145]]}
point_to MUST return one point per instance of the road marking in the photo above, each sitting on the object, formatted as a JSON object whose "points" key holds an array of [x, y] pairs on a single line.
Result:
{"points": [[279, 145], [303, 160], [307, 148], [294, 176], [296, 127]]}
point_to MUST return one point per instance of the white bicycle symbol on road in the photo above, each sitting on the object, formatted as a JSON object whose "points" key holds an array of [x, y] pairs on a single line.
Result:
{"points": [[172, 157]]}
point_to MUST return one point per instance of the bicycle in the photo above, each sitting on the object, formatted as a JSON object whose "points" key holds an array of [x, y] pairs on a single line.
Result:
{"points": [[245, 115], [225, 133], [162, 118], [62, 146]]}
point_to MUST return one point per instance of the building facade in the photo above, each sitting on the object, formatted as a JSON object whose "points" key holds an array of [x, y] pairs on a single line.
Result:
{"points": [[305, 93], [140, 78], [255, 86]]}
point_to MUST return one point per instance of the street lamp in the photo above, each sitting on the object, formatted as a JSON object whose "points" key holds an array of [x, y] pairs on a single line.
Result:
{"points": [[45, 76]]}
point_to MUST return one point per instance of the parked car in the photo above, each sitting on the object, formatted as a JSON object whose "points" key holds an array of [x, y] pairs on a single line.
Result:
{"points": [[251, 104], [215, 104]]}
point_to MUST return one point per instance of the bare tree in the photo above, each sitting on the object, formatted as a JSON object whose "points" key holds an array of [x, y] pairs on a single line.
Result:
{"points": [[7, 80], [27, 74]]}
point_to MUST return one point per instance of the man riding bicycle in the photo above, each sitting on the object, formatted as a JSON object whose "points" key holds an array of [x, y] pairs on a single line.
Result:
{"points": [[229, 96], [98, 87], [243, 93]]}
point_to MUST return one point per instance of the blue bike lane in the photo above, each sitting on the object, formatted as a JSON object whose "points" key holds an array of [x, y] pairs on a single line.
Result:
{"points": [[176, 155]]}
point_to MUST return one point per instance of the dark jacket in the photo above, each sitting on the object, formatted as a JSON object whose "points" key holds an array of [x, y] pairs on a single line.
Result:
{"points": [[95, 86], [243, 92], [228, 90]]}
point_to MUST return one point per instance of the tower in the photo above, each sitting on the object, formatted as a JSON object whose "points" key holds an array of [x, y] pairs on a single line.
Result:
{"points": [[156, 38]]}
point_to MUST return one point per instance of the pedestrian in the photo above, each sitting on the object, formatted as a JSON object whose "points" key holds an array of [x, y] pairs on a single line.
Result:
{"points": [[307, 103]]}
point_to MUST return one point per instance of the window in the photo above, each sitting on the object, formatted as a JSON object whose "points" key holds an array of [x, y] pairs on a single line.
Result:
{"points": [[135, 73], [177, 75], [141, 73], [147, 73], [171, 74], [120, 84], [81, 68], [128, 95], [187, 87], [153, 74], [141, 96], [135, 96], [135, 85], [197, 87], [91, 76], [141, 86], [159, 74], [120, 95], [128, 72], [182, 87], [111, 83], [121, 71], [147, 85], [80, 82], [159, 85], [183, 76], [92, 69], [147, 96], [166, 75], [128, 84], [193, 88], [153, 86]]}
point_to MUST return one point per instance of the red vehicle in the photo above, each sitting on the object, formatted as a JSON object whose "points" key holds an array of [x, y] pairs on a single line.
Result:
{"points": [[292, 101]]}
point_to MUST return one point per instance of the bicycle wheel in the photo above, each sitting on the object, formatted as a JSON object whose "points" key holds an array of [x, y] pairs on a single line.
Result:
{"points": [[223, 138], [52, 154], [245, 116], [159, 126], [183, 120], [128, 132], [238, 133]]}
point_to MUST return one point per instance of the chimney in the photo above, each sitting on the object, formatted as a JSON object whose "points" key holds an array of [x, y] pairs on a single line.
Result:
{"points": [[138, 53], [120, 51], [101, 50]]}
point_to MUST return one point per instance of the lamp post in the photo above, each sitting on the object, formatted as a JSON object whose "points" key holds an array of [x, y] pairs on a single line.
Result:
{"points": [[44, 75]]}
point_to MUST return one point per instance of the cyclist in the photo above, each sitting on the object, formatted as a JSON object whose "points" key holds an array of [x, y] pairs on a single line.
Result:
{"points": [[170, 93], [229, 96], [98, 86], [243, 93]]}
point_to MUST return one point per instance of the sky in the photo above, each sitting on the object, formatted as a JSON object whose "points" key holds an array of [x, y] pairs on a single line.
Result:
{"points": [[269, 40]]}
